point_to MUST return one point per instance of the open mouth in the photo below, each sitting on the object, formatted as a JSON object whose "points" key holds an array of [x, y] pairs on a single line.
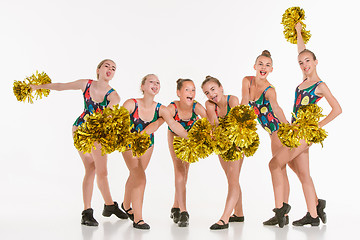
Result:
{"points": [[306, 69], [214, 99], [154, 89], [189, 98], [263, 73]]}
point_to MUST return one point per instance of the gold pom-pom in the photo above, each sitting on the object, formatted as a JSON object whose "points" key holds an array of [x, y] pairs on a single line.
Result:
{"points": [[22, 90], [110, 128], [305, 127], [234, 153], [200, 137], [185, 150], [290, 18], [288, 135], [140, 143], [221, 143]]}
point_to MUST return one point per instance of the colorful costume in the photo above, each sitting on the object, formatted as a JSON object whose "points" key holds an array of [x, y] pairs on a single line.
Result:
{"points": [[228, 107], [187, 124], [304, 97], [139, 124], [264, 112], [90, 106]]}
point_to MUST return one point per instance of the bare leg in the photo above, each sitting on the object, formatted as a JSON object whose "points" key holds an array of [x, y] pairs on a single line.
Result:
{"points": [[135, 185], [302, 163], [232, 171], [181, 170]]}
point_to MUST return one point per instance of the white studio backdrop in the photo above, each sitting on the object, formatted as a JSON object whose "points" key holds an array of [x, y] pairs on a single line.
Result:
{"points": [[41, 170]]}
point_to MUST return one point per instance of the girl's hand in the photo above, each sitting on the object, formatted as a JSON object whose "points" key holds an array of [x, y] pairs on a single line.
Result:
{"points": [[298, 27]]}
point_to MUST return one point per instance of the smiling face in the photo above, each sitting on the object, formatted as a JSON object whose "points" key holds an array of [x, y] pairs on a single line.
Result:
{"points": [[263, 67], [106, 70], [213, 91], [187, 92], [307, 63], [150, 85]]}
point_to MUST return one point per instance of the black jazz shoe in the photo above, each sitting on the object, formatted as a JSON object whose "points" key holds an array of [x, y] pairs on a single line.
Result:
{"points": [[280, 214], [184, 219], [130, 215], [175, 214], [273, 221], [234, 218], [217, 226], [320, 210], [143, 226], [307, 220], [88, 218], [113, 209]]}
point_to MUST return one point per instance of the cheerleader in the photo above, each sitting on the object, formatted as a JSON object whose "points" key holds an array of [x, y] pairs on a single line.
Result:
{"points": [[97, 96], [310, 91], [185, 111], [218, 106], [143, 112], [261, 95]]}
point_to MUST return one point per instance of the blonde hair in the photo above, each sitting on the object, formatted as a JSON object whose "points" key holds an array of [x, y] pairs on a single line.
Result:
{"points": [[100, 64], [143, 80], [264, 53], [210, 79]]}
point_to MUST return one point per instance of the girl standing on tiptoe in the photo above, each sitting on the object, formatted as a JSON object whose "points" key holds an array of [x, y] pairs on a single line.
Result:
{"points": [[143, 112], [261, 95], [185, 111], [310, 91], [218, 106], [97, 95]]}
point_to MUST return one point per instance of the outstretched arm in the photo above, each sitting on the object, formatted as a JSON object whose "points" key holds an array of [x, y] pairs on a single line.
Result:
{"points": [[75, 85], [245, 91], [323, 90], [210, 111], [200, 110], [271, 96], [300, 41], [175, 126], [153, 127]]}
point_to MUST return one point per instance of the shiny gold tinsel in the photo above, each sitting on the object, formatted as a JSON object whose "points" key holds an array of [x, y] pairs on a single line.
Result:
{"points": [[140, 143], [199, 144], [185, 150], [240, 127], [234, 153], [22, 90], [305, 127], [110, 128], [290, 18]]}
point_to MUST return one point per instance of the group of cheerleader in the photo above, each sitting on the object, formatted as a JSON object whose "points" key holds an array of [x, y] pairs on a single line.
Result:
{"points": [[146, 115]]}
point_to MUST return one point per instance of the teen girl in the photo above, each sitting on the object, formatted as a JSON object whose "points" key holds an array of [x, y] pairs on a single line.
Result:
{"points": [[143, 112], [218, 106], [310, 91], [185, 111], [261, 95], [97, 96]]}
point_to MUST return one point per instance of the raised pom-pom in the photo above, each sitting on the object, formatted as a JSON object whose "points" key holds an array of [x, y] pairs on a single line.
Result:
{"points": [[290, 18], [22, 90]]}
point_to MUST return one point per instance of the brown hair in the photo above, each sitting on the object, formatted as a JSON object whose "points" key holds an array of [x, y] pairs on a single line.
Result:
{"points": [[264, 53], [308, 51], [180, 82], [210, 79], [100, 64], [143, 80]]}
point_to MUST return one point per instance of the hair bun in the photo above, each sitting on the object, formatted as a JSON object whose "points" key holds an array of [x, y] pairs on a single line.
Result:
{"points": [[179, 80], [266, 53]]}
